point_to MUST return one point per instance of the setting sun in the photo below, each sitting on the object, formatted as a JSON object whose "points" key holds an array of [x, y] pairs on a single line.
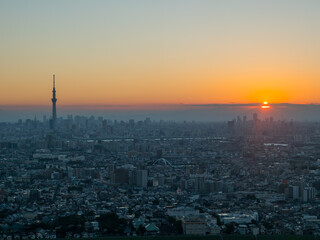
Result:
{"points": [[265, 105]]}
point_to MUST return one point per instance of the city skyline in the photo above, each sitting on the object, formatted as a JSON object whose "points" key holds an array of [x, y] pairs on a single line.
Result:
{"points": [[170, 119], [171, 112], [165, 53]]}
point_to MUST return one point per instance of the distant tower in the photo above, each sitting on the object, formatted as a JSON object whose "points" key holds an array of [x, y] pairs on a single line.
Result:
{"points": [[54, 100]]}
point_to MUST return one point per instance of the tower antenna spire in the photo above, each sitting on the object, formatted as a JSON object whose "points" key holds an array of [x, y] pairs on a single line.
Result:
{"points": [[54, 81]]}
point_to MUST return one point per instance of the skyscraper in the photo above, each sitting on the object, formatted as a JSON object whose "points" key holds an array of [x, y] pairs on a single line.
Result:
{"points": [[142, 178], [53, 121]]}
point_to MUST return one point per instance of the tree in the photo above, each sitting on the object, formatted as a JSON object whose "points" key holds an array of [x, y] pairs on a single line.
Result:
{"points": [[90, 213], [229, 228], [218, 220], [111, 223], [178, 226], [137, 214], [72, 223], [141, 230], [156, 202]]}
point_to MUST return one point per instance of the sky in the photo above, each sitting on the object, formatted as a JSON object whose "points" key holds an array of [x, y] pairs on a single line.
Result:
{"points": [[146, 52]]}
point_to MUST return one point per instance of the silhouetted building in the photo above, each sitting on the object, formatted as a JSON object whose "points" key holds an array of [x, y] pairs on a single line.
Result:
{"points": [[53, 121], [121, 176], [142, 178], [255, 117]]}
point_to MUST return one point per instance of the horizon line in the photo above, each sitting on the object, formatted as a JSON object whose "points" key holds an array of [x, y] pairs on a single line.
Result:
{"points": [[154, 106]]}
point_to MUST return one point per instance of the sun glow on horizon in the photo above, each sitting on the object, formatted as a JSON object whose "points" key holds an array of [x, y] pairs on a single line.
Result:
{"points": [[265, 105]]}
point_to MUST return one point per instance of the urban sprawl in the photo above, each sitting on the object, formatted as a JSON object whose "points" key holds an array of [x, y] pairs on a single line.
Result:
{"points": [[91, 177]]}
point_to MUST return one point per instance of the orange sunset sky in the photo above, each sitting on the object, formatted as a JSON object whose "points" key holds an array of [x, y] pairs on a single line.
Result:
{"points": [[159, 52]]}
